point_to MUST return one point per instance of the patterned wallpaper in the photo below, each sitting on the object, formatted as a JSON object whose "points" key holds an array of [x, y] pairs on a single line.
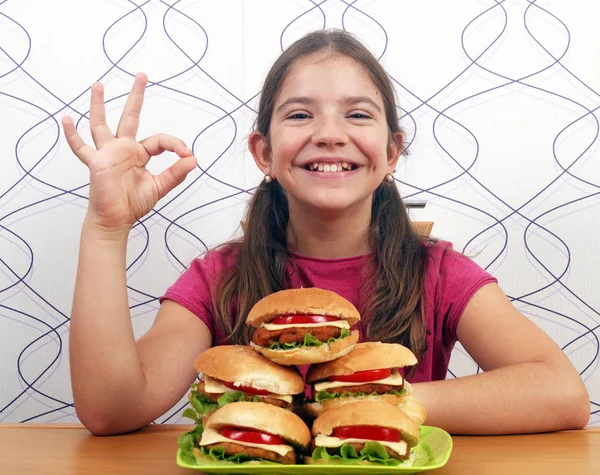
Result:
{"points": [[500, 100]]}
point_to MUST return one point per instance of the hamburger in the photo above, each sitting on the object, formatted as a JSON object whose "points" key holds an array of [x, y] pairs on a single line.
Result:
{"points": [[234, 373], [252, 433], [364, 433], [303, 326], [368, 372]]}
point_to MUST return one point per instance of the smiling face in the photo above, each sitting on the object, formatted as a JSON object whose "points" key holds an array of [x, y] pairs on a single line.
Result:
{"points": [[330, 144]]}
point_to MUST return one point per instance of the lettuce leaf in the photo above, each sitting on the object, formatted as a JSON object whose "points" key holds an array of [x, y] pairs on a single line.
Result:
{"points": [[309, 340], [218, 453], [372, 452], [324, 395], [188, 441], [236, 396], [202, 405]]}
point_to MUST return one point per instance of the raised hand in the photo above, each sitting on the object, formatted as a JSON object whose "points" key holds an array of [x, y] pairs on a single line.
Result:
{"points": [[122, 190]]}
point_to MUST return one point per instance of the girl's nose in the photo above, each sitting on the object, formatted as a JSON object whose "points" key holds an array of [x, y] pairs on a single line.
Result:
{"points": [[329, 132]]}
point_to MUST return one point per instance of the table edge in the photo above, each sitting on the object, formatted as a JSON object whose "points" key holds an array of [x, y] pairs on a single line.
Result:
{"points": [[184, 427]]}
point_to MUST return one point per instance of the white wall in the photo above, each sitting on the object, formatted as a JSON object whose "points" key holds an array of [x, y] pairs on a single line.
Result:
{"points": [[500, 98]]}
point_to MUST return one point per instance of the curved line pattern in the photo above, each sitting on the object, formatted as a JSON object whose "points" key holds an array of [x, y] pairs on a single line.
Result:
{"points": [[45, 328]]}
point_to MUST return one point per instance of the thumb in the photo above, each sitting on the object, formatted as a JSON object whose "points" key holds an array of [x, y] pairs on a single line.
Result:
{"points": [[174, 175]]}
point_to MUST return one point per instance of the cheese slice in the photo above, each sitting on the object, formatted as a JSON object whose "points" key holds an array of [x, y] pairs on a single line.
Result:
{"points": [[214, 386], [332, 442], [212, 436], [337, 324], [395, 379]]}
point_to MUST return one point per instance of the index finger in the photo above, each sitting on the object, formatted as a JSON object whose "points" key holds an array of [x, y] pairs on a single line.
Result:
{"points": [[130, 118]]}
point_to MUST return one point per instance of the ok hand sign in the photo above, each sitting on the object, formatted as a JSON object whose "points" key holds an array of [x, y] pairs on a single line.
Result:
{"points": [[122, 190]]}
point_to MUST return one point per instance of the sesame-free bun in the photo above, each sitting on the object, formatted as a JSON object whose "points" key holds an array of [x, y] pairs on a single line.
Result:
{"points": [[308, 301], [263, 417], [310, 354], [367, 413], [413, 408], [241, 364], [364, 357]]}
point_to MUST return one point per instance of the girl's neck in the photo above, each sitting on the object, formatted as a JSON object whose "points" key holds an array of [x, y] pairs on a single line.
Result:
{"points": [[329, 235]]}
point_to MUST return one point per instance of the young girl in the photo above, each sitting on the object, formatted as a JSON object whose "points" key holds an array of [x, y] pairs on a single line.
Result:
{"points": [[327, 214]]}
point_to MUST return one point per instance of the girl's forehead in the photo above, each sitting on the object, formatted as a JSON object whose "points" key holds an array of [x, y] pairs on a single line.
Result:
{"points": [[310, 73]]}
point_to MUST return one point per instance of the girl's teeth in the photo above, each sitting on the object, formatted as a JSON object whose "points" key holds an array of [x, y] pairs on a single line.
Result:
{"points": [[329, 167]]}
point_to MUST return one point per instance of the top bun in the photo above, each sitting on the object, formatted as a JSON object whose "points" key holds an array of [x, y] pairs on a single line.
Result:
{"points": [[241, 364], [310, 301], [367, 413], [364, 357], [263, 417]]}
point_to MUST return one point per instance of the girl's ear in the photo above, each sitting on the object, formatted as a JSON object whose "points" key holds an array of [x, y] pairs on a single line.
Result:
{"points": [[259, 148], [395, 148]]}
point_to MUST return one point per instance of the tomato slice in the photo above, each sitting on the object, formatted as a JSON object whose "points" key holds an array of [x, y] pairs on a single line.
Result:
{"points": [[363, 376], [367, 432], [247, 389], [297, 319], [251, 436]]}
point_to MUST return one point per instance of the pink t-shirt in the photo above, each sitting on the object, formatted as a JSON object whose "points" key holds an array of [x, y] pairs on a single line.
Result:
{"points": [[451, 279]]}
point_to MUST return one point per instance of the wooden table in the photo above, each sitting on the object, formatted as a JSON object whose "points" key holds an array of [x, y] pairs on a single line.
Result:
{"points": [[69, 449]]}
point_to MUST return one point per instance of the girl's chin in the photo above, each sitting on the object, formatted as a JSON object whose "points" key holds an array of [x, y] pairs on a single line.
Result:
{"points": [[331, 204]]}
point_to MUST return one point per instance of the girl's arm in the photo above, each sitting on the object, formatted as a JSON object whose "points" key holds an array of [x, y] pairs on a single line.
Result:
{"points": [[120, 385], [529, 384]]}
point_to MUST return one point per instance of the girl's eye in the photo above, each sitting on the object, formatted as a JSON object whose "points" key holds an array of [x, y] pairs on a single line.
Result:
{"points": [[359, 115], [299, 116]]}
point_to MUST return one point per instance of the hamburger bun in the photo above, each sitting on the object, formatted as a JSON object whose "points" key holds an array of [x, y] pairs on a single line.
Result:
{"points": [[310, 354], [367, 413], [243, 365], [413, 409], [263, 417], [304, 301], [364, 357]]}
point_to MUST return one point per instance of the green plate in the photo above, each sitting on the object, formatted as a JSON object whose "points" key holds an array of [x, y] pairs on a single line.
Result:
{"points": [[433, 451]]}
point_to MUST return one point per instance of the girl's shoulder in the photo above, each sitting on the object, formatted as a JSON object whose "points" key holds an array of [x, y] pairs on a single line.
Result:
{"points": [[449, 272], [443, 256]]}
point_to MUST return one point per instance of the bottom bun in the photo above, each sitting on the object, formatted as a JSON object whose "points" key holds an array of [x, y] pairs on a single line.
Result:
{"points": [[310, 354]]}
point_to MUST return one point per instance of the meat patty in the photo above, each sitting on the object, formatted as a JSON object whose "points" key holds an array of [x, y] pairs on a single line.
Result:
{"points": [[248, 397], [231, 448], [359, 446], [264, 337]]}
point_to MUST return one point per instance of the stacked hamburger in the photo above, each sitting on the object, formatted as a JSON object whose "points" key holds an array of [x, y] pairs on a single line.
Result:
{"points": [[245, 402]]}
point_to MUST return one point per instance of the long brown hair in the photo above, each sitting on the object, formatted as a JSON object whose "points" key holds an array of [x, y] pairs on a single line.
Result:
{"points": [[393, 312]]}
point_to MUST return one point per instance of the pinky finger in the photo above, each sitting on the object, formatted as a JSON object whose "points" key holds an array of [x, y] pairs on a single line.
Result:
{"points": [[83, 151], [174, 175]]}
